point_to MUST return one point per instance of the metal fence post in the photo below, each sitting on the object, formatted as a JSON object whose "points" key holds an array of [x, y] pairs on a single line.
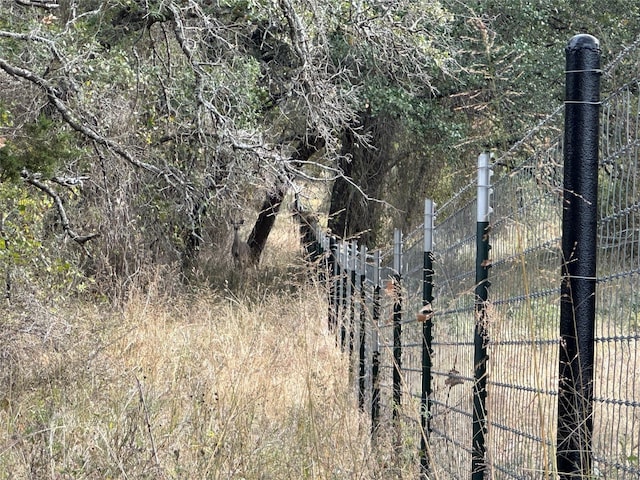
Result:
{"points": [[397, 324], [352, 248], [322, 264], [375, 343], [340, 292], [332, 273], [345, 291], [426, 315], [363, 323], [478, 462], [579, 230]]}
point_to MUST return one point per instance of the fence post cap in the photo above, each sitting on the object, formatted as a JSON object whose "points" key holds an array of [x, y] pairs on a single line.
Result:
{"points": [[583, 41]]}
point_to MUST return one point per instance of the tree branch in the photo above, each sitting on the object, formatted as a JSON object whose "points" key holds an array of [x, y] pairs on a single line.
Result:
{"points": [[71, 119], [297, 32], [38, 3], [66, 225], [179, 32]]}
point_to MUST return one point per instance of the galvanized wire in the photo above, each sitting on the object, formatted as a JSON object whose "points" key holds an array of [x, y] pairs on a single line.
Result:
{"points": [[523, 307], [617, 391], [523, 316]]}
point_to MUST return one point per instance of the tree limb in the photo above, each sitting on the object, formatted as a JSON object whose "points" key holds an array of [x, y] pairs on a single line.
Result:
{"points": [[7, 273], [75, 123], [66, 225], [38, 3]]}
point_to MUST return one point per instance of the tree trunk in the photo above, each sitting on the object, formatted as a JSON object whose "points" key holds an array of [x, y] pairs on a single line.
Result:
{"points": [[307, 223], [193, 239], [266, 219], [352, 214], [273, 201]]}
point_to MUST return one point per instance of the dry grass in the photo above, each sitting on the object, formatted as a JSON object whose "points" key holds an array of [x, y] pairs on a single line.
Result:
{"points": [[191, 386], [202, 386]]}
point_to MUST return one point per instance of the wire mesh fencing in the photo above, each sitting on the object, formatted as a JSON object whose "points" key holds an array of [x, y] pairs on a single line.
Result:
{"points": [[616, 413], [473, 389]]}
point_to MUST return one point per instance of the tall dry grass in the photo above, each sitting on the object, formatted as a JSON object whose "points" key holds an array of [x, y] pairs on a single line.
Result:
{"points": [[201, 386], [207, 385]]}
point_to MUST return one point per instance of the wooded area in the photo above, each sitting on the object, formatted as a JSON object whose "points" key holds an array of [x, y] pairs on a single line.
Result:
{"points": [[134, 133]]}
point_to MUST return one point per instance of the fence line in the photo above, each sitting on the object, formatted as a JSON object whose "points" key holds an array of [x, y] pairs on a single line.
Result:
{"points": [[456, 341]]}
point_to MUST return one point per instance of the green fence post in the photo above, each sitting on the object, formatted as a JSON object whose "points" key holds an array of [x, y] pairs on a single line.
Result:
{"points": [[478, 462], [426, 316]]}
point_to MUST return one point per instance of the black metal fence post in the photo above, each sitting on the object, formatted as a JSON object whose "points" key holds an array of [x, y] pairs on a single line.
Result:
{"points": [[375, 343], [478, 462], [352, 252], [397, 325], [322, 254], [332, 273], [579, 229], [362, 331], [426, 316], [344, 292]]}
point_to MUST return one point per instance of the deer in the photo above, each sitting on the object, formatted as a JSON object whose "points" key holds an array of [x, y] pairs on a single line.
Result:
{"points": [[239, 250]]}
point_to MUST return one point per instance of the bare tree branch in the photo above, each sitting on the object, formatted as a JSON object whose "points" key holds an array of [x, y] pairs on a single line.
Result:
{"points": [[39, 4], [179, 31], [57, 201]]}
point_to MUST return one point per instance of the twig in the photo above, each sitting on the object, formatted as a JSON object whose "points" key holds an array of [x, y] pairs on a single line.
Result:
{"points": [[148, 422]]}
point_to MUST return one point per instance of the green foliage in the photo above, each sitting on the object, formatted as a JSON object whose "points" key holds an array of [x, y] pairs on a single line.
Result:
{"points": [[26, 257], [19, 241], [513, 55], [40, 146], [422, 115]]}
